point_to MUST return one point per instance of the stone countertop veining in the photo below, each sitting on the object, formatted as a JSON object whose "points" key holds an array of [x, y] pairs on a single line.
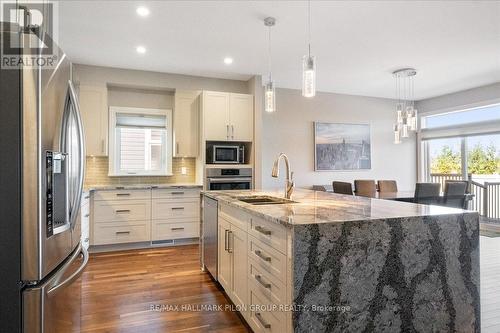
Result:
{"points": [[90, 188], [315, 207]]}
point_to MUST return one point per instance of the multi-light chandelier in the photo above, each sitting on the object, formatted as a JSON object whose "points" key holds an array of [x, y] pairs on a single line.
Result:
{"points": [[406, 113]]}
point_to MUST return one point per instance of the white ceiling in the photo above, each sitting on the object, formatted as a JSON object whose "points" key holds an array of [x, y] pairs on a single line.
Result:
{"points": [[454, 45]]}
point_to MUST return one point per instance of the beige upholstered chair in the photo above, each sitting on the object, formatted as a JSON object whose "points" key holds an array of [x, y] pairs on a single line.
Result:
{"points": [[387, 186], [342, 188], [365, 187]]}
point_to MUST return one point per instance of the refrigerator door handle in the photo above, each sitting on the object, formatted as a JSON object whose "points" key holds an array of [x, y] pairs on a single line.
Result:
{"points": [[73, 105], [59, 286]]}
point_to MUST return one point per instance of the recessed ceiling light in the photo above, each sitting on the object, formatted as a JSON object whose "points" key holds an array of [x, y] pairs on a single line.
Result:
{"points": [[142, 11], [228, 60], [140, 49]]}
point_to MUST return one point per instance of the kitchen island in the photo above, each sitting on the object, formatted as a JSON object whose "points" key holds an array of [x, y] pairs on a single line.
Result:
{"points": [[332, 263]]}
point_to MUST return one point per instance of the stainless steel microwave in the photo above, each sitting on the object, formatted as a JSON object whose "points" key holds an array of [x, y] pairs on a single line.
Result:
{"points": [[226, 154]]}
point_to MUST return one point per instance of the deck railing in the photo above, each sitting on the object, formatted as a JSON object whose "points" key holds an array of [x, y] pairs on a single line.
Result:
{"points": [[486, 200]]}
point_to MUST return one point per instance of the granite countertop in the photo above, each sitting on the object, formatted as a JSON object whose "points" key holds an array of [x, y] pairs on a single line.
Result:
{"points": [[89, 188], [315, 207]]}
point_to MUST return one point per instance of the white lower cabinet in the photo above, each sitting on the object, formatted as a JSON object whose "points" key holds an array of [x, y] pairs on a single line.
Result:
{"points": [[253, 270], [225, 271], [144, 215]]}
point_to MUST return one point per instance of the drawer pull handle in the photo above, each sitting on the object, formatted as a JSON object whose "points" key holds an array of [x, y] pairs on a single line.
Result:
{"points": [[179, 228], [122, 194], [262, 321], [177, 208], [86, 197], [229, 248], [177, 193], [261, 256], [122, 211], [225, 240], [263, 231], [86, 215], [123, 232], [264, 284]]}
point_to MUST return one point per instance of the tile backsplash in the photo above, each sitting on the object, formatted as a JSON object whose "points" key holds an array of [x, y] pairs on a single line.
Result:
{"points": [[97, 173]]}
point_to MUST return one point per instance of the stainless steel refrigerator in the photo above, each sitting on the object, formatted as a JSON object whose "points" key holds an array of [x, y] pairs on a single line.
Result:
{"points": [[42, 166]]}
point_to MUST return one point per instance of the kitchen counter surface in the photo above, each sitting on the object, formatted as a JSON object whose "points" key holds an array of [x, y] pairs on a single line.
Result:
{"points": [[90, 188], [315, 207]]}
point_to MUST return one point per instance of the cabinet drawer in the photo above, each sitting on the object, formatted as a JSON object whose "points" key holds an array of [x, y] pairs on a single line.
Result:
{"points": [[263, 316], [271, 233], [122, 195], [122, 232], [272, 289], [175, 193], [164, 229], [267, 258], [167, 208], [235, 216], [123, 210]]}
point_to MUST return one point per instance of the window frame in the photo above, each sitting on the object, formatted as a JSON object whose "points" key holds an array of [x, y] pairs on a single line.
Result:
{"points": [[113, 169], [460, 131]]}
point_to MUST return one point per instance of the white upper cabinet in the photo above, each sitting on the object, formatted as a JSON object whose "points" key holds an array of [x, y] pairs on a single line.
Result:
{"points": [[227, 116], [186, 123], [94, 112], [241, 117], [216, 115]]}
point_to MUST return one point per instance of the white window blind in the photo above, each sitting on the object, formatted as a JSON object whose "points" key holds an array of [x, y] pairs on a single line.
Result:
{"points": [[141, 142]]}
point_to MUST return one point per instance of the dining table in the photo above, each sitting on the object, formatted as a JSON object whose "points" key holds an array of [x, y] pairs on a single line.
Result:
{"points": [[406, 196]]}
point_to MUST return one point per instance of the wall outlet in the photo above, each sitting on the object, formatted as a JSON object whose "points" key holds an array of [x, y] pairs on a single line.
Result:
{"points": [[184, 170]]}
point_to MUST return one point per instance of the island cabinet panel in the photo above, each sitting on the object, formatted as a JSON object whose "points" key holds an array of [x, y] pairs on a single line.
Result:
{"points": [[238, 249], [273, 289], [267, 258], [253, 271], [270, 233], [263, 316], [224, 271]]}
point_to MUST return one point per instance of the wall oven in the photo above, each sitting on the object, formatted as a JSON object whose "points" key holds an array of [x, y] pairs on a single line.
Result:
{"points": [[226, 154], [219, 179]]}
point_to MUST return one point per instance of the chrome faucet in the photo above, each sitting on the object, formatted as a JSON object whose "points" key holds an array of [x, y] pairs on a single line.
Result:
{"points": [[289, 185]]}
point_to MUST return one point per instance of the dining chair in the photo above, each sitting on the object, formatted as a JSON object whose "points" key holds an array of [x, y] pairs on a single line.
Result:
{"points": [[342, 188], [365, 187], [387, 186], [427, 193], [454, 194]]}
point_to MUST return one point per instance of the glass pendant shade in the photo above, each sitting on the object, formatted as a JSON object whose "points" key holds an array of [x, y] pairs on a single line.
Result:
{"points": [[404, 131], [397, 135], [270, 97], [308, 76]]}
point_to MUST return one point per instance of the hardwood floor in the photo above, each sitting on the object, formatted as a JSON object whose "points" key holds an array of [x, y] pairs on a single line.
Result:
{"points": [[119, 288]]}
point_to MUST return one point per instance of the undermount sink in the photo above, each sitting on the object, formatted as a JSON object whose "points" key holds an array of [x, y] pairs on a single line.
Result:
{"points": [[265, 200]]}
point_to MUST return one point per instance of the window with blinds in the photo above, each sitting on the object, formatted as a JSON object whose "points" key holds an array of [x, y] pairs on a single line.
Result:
{"points": [[141, 142]]}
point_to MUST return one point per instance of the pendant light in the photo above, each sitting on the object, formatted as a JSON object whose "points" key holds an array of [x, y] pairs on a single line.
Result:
{"points": [[406, 114], [269, 90], [309, 63]]}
